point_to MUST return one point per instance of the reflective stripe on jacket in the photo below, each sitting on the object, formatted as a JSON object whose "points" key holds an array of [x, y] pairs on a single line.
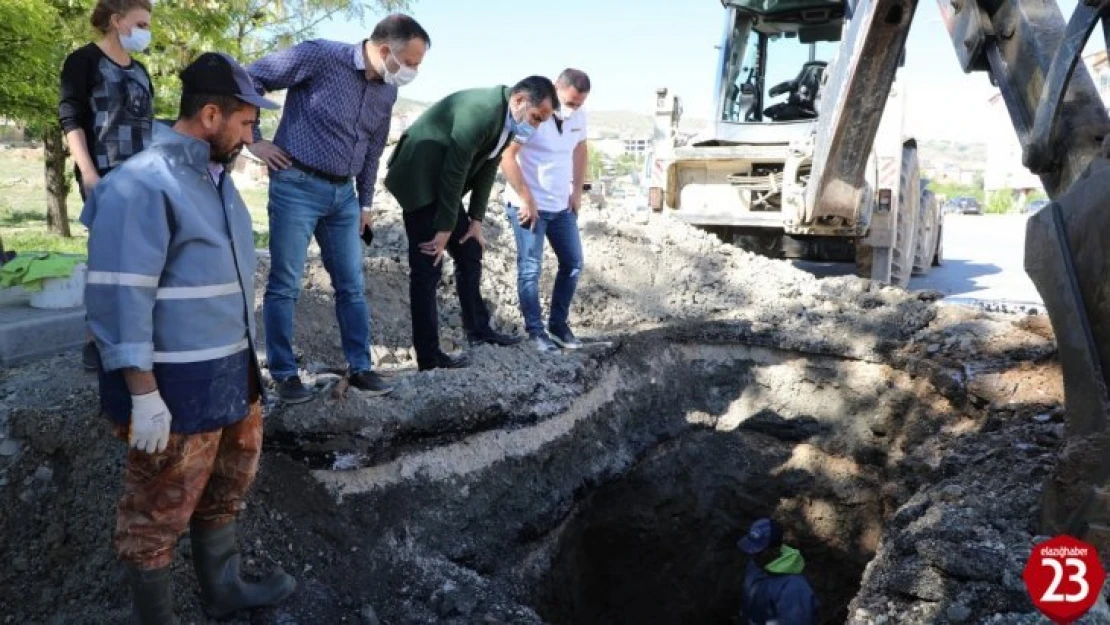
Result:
{"points": [[171, 283]]}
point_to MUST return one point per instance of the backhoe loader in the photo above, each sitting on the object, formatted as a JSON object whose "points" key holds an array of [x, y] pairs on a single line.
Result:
{"points": [[831, 163]]}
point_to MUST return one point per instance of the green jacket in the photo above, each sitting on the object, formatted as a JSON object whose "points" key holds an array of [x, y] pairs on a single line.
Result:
{"points": [[445, 154]]}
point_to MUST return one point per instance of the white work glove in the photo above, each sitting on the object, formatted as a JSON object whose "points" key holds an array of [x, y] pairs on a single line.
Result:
{"points": [[150, 423]]}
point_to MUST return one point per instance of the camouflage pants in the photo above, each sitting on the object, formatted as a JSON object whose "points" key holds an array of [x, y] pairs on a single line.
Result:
{"points": [[199, 477]]}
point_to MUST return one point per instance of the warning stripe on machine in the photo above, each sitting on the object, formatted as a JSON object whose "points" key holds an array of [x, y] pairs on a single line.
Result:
{"points": [[888, 172]]}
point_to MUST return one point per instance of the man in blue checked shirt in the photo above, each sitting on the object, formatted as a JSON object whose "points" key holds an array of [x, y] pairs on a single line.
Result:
{"points": [[333, 128]]}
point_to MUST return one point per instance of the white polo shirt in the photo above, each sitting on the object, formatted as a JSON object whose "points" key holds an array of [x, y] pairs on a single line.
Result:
{"points": [[547, 161]]}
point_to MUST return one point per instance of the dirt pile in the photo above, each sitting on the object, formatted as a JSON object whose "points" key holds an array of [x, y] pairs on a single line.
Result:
{"points": [[636, 276], [903, 443]]}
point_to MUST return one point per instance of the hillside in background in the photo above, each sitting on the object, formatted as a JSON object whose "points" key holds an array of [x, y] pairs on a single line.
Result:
{"points": [[934, 153], [944, 152], [630, 123], [606, 123]]}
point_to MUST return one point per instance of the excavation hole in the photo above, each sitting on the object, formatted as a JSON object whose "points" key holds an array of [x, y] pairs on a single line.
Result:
{"points": [[658, 545]]}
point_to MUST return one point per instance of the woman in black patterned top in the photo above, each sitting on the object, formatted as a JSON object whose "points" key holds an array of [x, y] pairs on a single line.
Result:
{"points": [[107, 98], [107, 102]]}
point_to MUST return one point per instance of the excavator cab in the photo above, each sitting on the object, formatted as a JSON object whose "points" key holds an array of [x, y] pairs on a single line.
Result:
{"points": [[801, 101], [774, 49]]}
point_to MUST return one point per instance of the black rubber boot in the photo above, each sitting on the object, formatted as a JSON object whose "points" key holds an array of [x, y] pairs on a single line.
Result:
{"points": [[151, 596], [216, 561]]}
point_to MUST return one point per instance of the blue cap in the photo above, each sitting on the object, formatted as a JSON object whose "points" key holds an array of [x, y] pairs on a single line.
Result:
{"points": [[763, 534], [216, 73]]}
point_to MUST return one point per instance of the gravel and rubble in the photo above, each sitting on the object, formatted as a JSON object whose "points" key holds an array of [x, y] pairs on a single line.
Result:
{"points": [[904, 441]]}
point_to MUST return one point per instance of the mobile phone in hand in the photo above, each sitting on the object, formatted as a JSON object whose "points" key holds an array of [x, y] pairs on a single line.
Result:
{"points": [[367, 235]]}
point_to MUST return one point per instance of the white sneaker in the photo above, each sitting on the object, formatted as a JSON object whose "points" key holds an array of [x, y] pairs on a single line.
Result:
{"points": [[566, 340], [544, 344]]}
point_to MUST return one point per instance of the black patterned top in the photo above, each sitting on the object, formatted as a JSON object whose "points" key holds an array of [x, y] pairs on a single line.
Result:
{"points": [[112, 103]]}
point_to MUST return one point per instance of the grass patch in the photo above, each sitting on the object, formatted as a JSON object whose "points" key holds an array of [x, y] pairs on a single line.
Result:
{"points": [[12, 217], [29, 240], [23, 208]]}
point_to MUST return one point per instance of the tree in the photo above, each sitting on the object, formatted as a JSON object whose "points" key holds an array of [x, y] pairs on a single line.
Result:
{"points": [[35, 36], [28, 46], [1000, 202], [628, 164], [595, 163], [29, 87]]}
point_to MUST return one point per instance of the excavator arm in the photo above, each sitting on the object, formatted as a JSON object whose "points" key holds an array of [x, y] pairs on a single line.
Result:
{"points": [[1029, 52], [854, 98], [1033, 56]]}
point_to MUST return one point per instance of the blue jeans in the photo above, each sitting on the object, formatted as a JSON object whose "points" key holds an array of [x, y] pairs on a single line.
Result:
{"points": [[302, 205], [561, 230]]}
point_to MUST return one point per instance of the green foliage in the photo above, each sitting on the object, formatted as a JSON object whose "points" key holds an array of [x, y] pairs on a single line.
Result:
{"points": [[595, 167], [627, 164], [950, 190], [36, 35], [245, 29], [42, 241], [32, 57], [601, 165], [999, 203]]}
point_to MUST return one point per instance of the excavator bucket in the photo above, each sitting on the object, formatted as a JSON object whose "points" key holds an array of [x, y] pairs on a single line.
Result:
{"points": [[1067, 255]]}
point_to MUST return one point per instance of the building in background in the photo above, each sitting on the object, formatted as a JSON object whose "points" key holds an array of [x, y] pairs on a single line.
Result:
{"points": [[636, 145], [1005, 171]]}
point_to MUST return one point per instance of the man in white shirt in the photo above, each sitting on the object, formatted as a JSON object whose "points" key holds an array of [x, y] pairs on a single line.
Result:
{"points": [[545, 178]]}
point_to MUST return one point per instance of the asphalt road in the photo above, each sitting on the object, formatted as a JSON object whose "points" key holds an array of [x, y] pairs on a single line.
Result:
{"points": [[983, 262]]}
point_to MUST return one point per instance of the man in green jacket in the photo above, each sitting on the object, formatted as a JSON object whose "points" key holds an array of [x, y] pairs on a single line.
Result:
{"points": [[454, 148]]}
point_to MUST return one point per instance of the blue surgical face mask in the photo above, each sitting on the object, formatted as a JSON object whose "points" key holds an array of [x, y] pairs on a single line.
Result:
{"points": [[135, 41], [522, 130]]}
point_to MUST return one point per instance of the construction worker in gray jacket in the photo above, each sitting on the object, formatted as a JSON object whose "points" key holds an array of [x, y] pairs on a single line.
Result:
{"points": [[170, 297]]}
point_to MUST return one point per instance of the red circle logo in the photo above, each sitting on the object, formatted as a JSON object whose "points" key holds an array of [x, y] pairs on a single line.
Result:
{"points": [[1064, 577]]}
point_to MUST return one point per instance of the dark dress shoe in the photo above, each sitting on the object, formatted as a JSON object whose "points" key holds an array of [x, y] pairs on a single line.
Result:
{"points": [[293, 391], [494, 338], [444, 361], [370, 383]]}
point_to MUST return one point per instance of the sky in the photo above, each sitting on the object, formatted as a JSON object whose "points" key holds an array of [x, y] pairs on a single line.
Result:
{"points": [[629, 49]]}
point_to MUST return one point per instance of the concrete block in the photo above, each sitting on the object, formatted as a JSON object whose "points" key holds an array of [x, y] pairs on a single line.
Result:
{"points": [[27, 334], [13, 296]]}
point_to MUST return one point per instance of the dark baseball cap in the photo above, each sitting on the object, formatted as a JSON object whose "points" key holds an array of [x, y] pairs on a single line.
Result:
{"points": [[215, 73], [763, 534]]}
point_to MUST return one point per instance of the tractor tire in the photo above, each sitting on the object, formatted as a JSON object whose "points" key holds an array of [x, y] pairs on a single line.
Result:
{"points": [[909, 203], [865, 260], [927, 232], [769, 245], [938, 254]]}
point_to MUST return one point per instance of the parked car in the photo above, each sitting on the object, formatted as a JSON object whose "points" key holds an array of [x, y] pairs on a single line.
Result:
{"points": [[1035, 206], [965, 205]]}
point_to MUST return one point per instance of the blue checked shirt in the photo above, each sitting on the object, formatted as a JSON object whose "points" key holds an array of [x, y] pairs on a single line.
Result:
{"points": [[334, 119]]}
